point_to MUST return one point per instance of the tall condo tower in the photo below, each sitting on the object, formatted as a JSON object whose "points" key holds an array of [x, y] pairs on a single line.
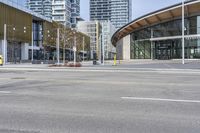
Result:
{"points": [[66, 12], [43, 7], [119, 12]]}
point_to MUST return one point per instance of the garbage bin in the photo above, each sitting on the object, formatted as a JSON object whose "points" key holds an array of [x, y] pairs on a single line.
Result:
{"points": [[94, 62], [1, 60]]}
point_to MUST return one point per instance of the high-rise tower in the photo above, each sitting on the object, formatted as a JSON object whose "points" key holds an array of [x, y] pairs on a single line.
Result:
{"points": [[119, 12], [66, 12], [43, 7]]}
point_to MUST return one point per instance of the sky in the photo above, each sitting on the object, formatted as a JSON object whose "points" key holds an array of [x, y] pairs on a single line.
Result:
{"points": [[140, 7]]}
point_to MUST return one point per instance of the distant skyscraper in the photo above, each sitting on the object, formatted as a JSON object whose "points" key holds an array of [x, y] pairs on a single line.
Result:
{"points": [[43, 7], [75, 12], [66, 12], [94, 30], [62, 11], [119, 12], [100, 10], [108, 29]]}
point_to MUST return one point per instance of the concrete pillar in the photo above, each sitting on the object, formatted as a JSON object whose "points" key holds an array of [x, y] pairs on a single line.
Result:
{"points": [[126, 48], [2, 49], [24, 51], [123, 48], [152, 50]]}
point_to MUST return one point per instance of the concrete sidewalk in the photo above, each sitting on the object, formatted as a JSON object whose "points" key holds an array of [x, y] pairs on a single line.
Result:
{"points": [[131, 64], [25, 65]]}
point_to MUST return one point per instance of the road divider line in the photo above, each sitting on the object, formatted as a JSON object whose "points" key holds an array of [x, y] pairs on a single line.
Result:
{"points": [[160, 99], [5, 92]]}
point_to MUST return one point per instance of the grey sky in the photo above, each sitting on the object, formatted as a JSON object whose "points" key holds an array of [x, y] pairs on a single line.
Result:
{"points": [[140, 7]]}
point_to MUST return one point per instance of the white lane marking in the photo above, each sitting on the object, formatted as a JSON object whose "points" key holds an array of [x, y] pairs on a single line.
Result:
{"points": [[160, 99], [105, 70], [5, 92]]}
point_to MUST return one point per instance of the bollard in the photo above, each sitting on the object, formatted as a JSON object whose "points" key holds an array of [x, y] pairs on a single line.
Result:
{"points": [[115, 60]]}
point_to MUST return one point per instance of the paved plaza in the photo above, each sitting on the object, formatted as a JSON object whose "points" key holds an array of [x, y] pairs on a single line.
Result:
{"points": [[99, 100]]}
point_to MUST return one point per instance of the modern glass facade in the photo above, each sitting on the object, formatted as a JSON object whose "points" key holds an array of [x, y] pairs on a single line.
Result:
{"points": [[163, 41], [75, 12], [43, 7], [119, 12]]}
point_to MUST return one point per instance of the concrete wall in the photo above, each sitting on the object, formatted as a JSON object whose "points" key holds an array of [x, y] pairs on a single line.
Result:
{"points": [[1, 47], [126, 48], [119, 49], [123, 48]]}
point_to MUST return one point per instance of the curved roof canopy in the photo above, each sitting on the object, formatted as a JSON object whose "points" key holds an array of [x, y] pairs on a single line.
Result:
{"points": [[166, 14]]}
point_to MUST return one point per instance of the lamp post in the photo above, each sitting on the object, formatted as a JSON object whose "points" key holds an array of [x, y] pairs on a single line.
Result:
{"points": [[74, 47], [103, 48], [32, 43], [58, 46], [14, 48], [83, 48], [183, 32], [4, 45], [100, 48]]}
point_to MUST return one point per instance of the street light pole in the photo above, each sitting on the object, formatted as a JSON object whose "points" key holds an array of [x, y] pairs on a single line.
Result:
{"points": [[100, 48], [4, 45], [103, 48], [32, 47], [74, 49], [58, 46], [83, 48], [183, 32]]}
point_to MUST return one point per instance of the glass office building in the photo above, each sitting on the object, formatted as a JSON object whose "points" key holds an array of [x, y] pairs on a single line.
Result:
{"points": [[27, 36], [158, 35], [141, 46], [119, 12]]}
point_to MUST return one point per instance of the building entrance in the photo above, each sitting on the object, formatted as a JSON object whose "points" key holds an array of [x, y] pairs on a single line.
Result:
{"points": [[165, 50], [14, 52]]}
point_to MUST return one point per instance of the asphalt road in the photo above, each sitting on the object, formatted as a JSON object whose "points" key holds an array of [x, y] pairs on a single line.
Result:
{"points": [[119, 101]]}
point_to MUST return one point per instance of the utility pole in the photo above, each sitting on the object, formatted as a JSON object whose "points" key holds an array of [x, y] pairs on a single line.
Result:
{"points": [[74, 49], [58, 46], [183, 32], [83, 48], [4, 45], [103, 49], [64, 47], [32, 47]]}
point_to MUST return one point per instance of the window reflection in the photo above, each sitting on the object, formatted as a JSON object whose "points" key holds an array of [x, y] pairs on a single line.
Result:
{"points": [[143, 48]]}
